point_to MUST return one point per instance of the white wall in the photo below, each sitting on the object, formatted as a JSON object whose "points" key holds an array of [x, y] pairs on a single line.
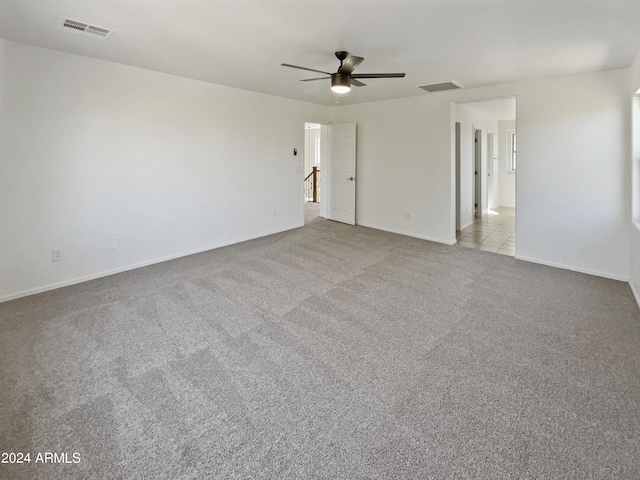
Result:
{"points": [[404, 152], [310, 160], [493, 181], [91, 150], [507, 179], [572, 182], [634, 275]]}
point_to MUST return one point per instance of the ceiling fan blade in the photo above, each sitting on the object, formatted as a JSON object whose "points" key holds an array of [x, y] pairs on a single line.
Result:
{"points": [[304, 68], [357, 83], [350, 64], [378, 75], [312, 79]]}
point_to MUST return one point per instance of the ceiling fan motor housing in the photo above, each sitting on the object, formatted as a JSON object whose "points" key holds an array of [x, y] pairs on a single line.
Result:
{"points": [[340, 79], [342, 55]]}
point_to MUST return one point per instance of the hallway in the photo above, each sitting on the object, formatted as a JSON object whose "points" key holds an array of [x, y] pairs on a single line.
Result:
{"points": [[311, 211], [494, 232]]}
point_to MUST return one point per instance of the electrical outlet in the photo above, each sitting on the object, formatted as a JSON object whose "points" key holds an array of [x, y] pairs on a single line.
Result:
{"points": [[57, 255], [115, 242], [275, 213], [407, 216]]}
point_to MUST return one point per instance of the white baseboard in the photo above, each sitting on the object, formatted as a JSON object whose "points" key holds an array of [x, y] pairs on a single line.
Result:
{"points": [[407, 234], [635, 293], [106, 273], [574, 269], [467, 225]]}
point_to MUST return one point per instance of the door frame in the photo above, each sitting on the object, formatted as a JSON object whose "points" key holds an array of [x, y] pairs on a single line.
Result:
{"points": [[491, 190], [477, 172], [458, 199], [463, 172], [324, 129]]}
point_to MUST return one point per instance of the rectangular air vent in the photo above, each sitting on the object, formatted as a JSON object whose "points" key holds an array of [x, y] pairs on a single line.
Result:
{"points": [[81, 27], [440, 87], [97, 31], [84, 28]]}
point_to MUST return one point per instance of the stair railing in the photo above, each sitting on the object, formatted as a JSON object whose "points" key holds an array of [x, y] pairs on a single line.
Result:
{"points": [[312, 186]]}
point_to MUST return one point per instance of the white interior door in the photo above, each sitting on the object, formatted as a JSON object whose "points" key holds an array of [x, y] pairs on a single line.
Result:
{"points": [[342, 173]]}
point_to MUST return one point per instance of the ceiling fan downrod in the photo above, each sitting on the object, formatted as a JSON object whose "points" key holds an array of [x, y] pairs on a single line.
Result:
{"points": [[342, 56]]}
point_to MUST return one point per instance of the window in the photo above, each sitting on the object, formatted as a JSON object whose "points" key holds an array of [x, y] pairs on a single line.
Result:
{"points": [[511, 163], [513, 152], [317, 149]]}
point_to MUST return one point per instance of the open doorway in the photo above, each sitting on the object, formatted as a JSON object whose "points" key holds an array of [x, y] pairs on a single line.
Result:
{"points": [[485, 159], [313, 155], [329, 185]]}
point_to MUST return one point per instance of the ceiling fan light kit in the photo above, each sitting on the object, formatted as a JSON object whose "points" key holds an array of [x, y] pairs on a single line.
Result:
{"points": [[342, 80], [340, 83]]}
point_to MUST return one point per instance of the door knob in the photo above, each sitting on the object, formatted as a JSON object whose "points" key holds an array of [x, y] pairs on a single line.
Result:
{"points": [[351, 178]]}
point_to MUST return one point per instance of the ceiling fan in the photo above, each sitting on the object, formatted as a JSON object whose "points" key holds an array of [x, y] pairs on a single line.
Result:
{"points": [[342, 80]]}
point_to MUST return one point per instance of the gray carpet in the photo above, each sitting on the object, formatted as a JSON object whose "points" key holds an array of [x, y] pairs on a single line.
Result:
{"points": [[326, 352]]}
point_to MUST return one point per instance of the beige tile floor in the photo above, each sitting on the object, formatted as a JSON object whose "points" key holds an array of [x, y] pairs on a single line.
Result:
{"points": [[494, 232]]}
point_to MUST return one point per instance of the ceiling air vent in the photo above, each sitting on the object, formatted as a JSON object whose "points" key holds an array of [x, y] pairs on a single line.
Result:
{"points": [[81, 27], [97, 31], [440, 87], [84, 28]]}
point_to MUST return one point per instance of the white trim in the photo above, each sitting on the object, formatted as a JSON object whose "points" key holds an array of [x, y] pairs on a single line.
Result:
{"points": [[574, 269], [467, 225], [407, 234], [106, 273], [635, 293], [509, 157]]}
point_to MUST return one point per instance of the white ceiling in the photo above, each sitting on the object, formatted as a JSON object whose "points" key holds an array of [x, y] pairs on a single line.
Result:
{"points": [[241, 43], [499, 108]]}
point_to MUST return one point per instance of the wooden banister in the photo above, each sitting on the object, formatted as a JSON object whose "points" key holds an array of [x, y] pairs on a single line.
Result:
{"points": [[314, 183], [307, 177]]}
